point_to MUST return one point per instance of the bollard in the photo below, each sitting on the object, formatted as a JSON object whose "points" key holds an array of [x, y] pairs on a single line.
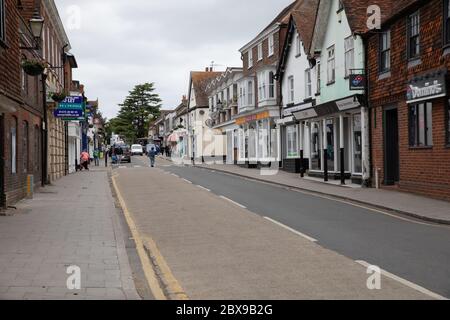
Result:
{"points": [[30, 186]]}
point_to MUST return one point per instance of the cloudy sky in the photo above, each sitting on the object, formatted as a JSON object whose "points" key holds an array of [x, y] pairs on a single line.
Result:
{"points": [[120, 43]]}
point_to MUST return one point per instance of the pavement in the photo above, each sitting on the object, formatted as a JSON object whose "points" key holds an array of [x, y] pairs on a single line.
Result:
{"points": [[215, 248], [73, 222], [408, 204]]}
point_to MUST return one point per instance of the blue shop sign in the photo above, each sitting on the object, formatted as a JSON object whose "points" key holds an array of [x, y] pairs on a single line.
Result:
{"points": [[68, 113], [72, 102]]}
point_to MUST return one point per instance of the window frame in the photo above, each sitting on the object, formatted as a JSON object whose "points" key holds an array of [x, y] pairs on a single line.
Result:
{"points": [[298, 49], [308, 84], [347, 52], [271, 45], [271, 85], [2, 22], [250, 94], [414, 122], [260, 52], [250, 58], [291, 89], [446, 23], [384, 51], [318, 84], [329, 60], [415, 36]]}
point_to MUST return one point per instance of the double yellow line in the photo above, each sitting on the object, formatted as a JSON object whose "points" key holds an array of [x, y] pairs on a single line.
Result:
{"points": [[153, 263]]}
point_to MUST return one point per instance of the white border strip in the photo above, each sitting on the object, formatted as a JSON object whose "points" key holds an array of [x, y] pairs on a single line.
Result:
{"points": [[173, 174], [290, 229], [201, 187], [186, 180], [405, 282], [233, 202]]}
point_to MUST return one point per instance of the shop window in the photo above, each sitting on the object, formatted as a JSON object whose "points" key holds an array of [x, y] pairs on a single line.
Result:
{"points": [[414, 36], [292, 142], [330, 143], [447, 22], [421, 125], [13, 136], [315, 147], [357, 144], [385, 51], [331, 65], [349, 45]]}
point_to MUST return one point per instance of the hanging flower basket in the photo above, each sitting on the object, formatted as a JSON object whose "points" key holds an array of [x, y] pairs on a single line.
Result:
{"points": [[58, 97], [33, 67]]}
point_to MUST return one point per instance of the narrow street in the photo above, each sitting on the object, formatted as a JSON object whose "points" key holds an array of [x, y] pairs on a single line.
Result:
{"points": [[207, 224]]}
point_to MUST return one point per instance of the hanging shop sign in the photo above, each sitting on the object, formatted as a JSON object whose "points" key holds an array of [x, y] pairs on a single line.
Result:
{"points": [[71, 108], [253, 117], [429, 86], [357, 81]]}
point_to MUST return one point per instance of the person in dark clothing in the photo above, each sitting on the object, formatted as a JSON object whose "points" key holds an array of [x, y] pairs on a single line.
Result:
{"points": [[152, 156]]}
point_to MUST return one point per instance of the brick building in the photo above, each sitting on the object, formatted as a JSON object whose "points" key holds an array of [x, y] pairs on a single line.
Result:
{"points": [[408, 64], [21, 105]]}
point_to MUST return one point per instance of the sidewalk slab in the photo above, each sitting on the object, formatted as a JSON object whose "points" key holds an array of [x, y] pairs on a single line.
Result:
{"points": [[409, 204], [71, 223]]}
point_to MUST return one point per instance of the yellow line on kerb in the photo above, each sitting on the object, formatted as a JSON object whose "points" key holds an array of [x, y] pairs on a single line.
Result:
{"points": [[145, 261]]}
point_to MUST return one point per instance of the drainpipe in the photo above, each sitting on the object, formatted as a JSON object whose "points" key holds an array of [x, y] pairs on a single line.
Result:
{"points": [[367, 183], [44, 178]]}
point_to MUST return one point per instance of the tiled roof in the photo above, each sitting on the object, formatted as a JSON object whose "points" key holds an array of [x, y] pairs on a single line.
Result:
{"points": [[200, 80], [304, 16]]}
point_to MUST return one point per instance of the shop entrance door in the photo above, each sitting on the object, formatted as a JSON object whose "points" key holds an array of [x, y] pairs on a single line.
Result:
{"points": [[391, 148]]}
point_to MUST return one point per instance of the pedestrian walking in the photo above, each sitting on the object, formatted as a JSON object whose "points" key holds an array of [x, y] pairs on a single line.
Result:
{"points": [[152, 156], [84, 159], [106, 154], [97, 157]]}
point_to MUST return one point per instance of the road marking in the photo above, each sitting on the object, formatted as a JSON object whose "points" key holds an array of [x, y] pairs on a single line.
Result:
{"points": [[404, 282], [185, 180], [290, 229], [137, 166], [122, 167], [233, 202], [201, 187], [149, 272]]}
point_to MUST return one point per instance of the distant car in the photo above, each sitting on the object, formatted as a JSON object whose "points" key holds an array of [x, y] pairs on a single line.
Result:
{"points": [[126, 153], [136, 149]]}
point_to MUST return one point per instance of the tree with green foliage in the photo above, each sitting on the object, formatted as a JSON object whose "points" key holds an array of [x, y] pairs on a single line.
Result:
{"points": [[132, 121]]}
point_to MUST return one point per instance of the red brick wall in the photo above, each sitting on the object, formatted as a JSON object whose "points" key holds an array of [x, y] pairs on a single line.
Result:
{"points": [[425, 171]]}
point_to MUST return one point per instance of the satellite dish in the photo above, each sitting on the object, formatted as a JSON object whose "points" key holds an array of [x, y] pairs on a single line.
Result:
{"points": [[214, 116], [202, 112], [209, 123]]}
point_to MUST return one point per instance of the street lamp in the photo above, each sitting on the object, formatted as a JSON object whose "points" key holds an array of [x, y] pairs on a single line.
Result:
{"points": [[36, 24]]}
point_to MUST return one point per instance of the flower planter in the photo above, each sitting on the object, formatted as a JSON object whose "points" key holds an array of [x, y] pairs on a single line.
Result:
{"points": [[58, 97], [33, 67]]}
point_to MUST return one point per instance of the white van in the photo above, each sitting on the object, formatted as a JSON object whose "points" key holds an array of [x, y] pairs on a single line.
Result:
{"points": [[136, 149]]}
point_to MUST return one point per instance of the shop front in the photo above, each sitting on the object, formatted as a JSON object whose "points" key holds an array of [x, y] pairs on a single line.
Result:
{"points": [[337, 138], [258, 138], [294, 139]]}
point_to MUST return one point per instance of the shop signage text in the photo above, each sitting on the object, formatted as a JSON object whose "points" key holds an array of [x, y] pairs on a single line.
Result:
{"points": [[357, 82], [253, 117], [425, 88]]}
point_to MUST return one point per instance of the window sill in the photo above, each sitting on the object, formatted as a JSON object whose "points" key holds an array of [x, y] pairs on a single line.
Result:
{"points": [[331, 83], [421, 148], [384, 75], [414, 62], [317, 94]]}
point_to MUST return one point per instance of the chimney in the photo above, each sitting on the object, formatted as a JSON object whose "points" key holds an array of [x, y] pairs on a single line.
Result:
{"points": [[210, 69], [184, 100], [206, 69]]}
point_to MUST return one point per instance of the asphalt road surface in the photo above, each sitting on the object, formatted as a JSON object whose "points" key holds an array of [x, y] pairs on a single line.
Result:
{"points": [[416, 251]]}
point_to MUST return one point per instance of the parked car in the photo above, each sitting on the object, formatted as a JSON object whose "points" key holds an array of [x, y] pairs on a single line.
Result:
{"points": [[136, 149], [125, 154]]}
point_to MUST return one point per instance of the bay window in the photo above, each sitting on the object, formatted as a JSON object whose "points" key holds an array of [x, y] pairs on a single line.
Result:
{"points": [[262, 86], [271, 85], [250, 93], [266, 85], [421, 125]]}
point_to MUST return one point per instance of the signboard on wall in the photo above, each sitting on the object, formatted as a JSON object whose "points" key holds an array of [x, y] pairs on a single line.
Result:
{"points": [[254, 117], [357, 81], [71, 108], [429, 86]]}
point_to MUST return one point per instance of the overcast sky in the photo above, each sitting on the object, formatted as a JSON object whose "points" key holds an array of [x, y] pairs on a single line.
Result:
{"points": [[121, 43]]}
